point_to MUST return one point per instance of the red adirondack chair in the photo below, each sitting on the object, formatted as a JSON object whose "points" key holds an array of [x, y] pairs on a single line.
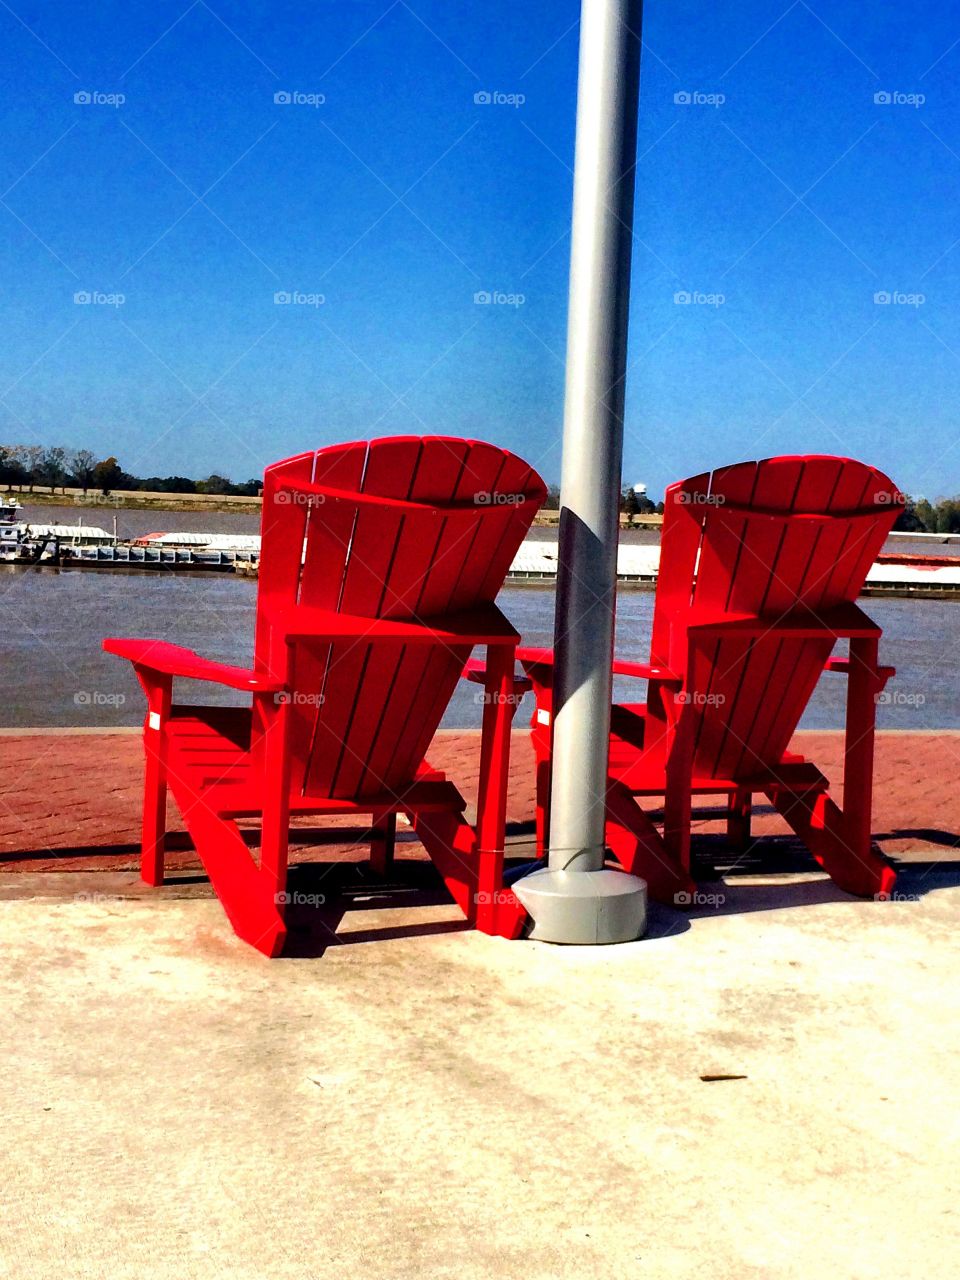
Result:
{"points": [[760, 567], [379, 567]]}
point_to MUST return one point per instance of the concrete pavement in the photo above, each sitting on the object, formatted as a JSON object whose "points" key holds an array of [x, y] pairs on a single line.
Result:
{"points": [[432, 1102], [765, 1088]]}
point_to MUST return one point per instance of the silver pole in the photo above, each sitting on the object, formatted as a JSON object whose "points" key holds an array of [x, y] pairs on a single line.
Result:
{"points": [[575, 899]]}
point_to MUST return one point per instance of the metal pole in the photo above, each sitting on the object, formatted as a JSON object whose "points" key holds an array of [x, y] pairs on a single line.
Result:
{"points": [[575, 899]]}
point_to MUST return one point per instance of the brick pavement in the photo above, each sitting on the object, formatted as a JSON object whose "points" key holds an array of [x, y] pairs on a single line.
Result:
{"points": [[72, 801]]}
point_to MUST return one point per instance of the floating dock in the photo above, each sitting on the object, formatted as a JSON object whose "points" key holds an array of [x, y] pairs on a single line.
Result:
{"points": [[133, 556], [214, 551], [928, 574], [638, 565]]}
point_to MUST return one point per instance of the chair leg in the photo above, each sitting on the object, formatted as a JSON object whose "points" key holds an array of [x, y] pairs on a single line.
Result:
{"points": [[492, 899], [253, 897], [272, 886], [543, 806], [676, 830], [640, 849], [383, 837], [154, 828], [739, 809], [841, 841], [275, 828], [862, 686], [678, 800], [823, 829]]}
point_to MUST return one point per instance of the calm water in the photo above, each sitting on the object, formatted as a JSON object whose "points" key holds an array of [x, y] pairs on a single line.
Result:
{"points": [[53, 672]]}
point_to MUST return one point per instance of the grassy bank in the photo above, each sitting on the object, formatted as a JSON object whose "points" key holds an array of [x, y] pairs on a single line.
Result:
{"points": [[132, 500]]}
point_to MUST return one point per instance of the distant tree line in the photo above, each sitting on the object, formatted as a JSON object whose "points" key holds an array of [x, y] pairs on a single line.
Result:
{"points": [[26, 465], [920, 516]]}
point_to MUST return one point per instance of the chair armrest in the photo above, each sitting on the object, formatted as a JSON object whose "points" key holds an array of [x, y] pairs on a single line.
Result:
{"points": [[842, 620], [174, 660], [535, 657], [842, 665], [484, 625], [621, 667], [644, 671]]}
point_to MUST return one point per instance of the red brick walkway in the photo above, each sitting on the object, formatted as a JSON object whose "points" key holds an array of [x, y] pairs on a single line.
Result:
{"points": [[71, 802]]}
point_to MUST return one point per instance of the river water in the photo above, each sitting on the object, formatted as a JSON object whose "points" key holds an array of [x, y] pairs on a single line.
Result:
{"points": [[53, 671]]}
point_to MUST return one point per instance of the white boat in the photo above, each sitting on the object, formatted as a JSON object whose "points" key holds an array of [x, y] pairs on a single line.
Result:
{"points": [[27, 542], [246, 542]]}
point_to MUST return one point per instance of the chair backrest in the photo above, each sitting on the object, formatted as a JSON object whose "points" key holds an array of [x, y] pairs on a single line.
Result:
{"points": [[767, 538], [403, 528]]}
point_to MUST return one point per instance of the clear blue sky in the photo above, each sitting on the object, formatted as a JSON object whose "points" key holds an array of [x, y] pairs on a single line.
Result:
{"points": [[798, 199]]}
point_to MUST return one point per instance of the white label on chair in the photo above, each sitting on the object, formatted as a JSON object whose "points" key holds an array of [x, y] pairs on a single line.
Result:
{"points": [[153, 719], [543, 717]]}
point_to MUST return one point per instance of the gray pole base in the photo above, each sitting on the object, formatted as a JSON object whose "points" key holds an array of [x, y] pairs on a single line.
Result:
{"points": [[585, 908]]}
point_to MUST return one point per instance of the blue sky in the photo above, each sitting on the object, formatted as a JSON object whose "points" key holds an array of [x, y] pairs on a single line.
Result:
{"points": [[796, 199]]}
